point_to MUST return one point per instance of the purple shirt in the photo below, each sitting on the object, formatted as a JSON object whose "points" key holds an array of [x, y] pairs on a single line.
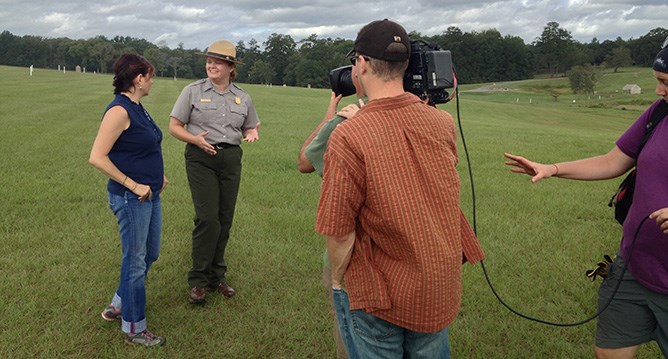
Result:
{"points": [[649, 259]]}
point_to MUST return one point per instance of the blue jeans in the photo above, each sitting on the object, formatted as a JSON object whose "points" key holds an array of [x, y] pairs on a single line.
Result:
{"points": [[367, 336], [140, 225]]}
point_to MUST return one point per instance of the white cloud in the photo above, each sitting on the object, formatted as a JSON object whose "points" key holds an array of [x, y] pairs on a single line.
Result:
{"points": [[63, 25], [183, 12], [198, 23]]}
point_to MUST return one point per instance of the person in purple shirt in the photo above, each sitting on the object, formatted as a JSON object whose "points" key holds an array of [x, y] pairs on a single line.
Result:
{"points": [[639, 311]]}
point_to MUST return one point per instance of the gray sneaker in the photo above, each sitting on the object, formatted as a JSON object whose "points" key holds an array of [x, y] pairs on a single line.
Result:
{"points": [[145, 338], [110, 313]]}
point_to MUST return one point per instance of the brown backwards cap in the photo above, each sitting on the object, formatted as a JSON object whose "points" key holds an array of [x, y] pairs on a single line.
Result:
{"points": [[375, 38]]}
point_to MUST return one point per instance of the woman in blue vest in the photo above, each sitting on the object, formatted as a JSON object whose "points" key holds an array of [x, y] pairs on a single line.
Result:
{"points": [[127, 150]]}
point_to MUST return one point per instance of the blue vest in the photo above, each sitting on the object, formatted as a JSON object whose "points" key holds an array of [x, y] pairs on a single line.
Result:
{"points": [[137, 152]]}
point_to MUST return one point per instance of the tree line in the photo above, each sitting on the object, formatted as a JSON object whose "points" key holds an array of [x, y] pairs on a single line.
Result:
{"points": [[484, 56]]}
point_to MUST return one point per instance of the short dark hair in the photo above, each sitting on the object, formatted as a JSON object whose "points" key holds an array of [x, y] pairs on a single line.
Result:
{"points": [[388, 70], [126, 68]]}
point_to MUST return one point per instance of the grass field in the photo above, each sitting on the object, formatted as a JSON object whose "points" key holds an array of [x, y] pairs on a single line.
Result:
{"points": [[61, 254]]}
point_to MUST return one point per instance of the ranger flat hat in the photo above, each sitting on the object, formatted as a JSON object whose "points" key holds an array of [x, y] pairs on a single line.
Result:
{"points": [[222, 49]]}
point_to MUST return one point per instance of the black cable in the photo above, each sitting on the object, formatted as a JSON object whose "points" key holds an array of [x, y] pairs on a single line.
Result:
{"points": [[619, 282], [482, 262]]}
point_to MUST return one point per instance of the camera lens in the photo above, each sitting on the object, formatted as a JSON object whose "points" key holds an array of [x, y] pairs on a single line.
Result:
{"points": [[342, 81]]}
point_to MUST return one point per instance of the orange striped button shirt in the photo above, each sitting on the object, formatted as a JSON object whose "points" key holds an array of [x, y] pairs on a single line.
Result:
{"points": [[390, 176]]}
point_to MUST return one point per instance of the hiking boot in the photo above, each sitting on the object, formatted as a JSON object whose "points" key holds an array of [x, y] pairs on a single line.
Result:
{"points": [[145, 338], [110, 313], [197, 295], [223, 288]]}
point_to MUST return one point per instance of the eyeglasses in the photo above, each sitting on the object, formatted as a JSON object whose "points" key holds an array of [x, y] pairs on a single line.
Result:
{"points": [[353, 60], [352, 56]]}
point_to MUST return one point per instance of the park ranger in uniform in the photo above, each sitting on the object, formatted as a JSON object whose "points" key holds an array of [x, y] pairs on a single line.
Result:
{"points": [[213, 116]]}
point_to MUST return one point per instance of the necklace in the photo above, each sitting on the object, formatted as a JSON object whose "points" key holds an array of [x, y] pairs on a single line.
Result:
{"points": [[130, 97]]}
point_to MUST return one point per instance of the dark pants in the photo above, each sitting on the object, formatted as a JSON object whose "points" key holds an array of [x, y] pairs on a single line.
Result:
{"points": [[635, 316], [214, 185]]}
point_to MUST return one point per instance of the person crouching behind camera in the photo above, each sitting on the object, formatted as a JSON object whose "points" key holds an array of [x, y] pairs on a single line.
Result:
{"points": [[389, 206], [311, 159]]}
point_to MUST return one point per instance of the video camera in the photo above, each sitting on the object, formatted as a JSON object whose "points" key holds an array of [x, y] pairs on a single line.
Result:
{"points": [[429, 74]]}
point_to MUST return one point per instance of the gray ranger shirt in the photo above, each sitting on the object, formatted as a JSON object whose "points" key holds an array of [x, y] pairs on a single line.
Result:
{"points": [[225, 115]]}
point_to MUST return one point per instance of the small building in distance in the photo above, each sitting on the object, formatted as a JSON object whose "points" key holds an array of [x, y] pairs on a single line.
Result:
{"points": [[631, 89]]}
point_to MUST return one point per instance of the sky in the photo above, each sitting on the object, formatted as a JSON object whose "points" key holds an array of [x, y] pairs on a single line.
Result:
{"points": [[196, 24]]}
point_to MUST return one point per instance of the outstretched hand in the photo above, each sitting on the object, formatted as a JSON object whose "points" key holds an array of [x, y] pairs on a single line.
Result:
{"points": [[536, 170]]}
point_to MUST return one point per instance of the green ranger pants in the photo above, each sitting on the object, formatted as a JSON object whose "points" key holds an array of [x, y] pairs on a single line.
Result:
{"points": [[214, 185]]}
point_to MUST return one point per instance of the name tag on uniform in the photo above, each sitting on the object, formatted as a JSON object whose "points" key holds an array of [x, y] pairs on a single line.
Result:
{"points": [[205, 100]]}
